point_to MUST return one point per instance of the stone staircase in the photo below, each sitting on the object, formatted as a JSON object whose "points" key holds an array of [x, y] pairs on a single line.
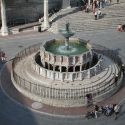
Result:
{"points": [[101, 85], [81, 21], [30, 75]]}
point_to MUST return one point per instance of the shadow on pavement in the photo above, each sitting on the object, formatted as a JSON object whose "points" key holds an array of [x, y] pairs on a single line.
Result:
{"points": [[10, 112]]}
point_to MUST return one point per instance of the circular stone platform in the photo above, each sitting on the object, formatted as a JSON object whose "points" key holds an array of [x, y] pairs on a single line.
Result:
{"points": [[44, 79], [75, 112]]}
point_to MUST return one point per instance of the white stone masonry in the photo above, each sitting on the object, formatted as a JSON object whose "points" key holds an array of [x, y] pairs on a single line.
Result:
{"points": [[46, 18]]}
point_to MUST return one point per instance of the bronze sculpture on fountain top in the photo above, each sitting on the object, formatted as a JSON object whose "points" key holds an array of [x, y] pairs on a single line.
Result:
{"points": [[67, 33]]}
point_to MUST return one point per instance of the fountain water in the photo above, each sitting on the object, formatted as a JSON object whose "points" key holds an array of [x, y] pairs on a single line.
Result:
{"points": [[74, 47], [67, 47]]}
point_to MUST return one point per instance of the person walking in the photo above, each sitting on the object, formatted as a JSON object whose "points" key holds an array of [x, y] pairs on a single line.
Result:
{"points": [[100, 4], [123, 68]]}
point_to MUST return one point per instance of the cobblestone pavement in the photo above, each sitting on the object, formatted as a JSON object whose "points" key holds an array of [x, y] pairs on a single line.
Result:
{"points": [[12, 114]]}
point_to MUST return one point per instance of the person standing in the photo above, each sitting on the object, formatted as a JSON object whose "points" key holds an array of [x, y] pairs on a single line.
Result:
{"points": [[116, 110], [94, 6], [103, 4], [87, 8], [96, 110], [123, 68], [106, 2], [117, 1], [110, 1], [99, 14]]}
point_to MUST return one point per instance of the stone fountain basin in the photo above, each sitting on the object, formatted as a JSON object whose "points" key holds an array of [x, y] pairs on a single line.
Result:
{"points": [[57, 47]]}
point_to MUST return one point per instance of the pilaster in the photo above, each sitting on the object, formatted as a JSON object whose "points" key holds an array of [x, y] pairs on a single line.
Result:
{"points": [[4, 28]]}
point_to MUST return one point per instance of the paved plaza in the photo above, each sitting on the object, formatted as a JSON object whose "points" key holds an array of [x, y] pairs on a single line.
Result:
{"points": [[11, 113], [15, 109]]}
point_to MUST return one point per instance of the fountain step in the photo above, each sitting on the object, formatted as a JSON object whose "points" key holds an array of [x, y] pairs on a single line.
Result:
{"points": [[31, 76]]}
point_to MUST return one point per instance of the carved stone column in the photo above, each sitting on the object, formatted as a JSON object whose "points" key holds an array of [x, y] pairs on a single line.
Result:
{"points": [[4, 28]]}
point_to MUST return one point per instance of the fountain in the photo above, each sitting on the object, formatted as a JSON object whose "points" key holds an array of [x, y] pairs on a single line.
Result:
{"points": [[67, 47], [62, 73]]}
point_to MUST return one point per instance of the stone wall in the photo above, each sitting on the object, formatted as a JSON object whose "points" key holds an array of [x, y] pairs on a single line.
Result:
{"points": [[25, 11]]}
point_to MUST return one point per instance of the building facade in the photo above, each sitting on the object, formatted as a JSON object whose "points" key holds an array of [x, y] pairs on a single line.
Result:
{"points": [[25, 11]]}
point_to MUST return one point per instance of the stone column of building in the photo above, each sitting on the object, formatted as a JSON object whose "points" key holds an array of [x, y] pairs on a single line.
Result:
{"points": [[66, 4], [46, 18], [4, 28]]}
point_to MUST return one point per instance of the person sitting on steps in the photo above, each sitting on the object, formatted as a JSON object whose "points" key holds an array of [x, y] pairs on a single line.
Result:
{"points": [[121, 28]]}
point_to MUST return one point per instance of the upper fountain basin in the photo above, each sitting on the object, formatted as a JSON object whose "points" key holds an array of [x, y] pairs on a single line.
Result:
{"points": [[57, 47]]}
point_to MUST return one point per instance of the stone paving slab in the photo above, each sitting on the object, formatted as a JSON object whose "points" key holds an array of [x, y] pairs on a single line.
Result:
{"points": [[13, 94]]}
